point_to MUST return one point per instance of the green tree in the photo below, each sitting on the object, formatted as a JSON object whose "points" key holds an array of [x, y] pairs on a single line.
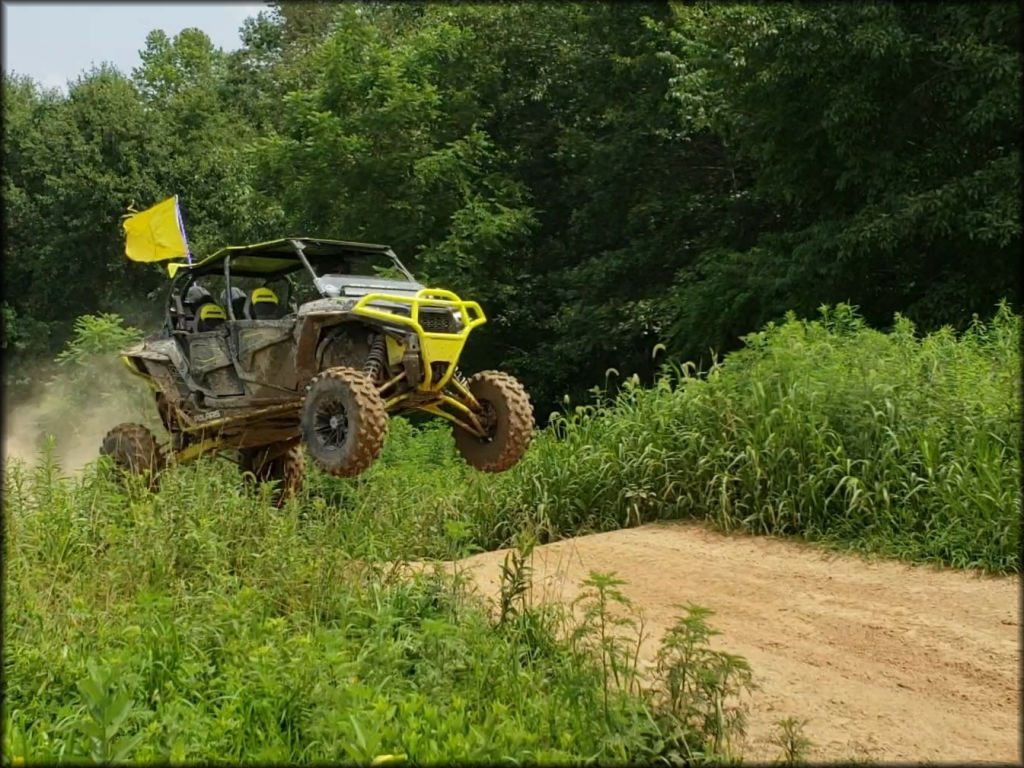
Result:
{"points": [[200, 139], [71, 166], [879, 151], [604, 177]]}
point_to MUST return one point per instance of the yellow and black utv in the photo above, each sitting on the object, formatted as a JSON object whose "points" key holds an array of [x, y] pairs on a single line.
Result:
{"points": [[305, 341]]}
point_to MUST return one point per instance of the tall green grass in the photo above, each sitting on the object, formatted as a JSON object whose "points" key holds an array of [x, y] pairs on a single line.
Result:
{"points": [[891, 443], [827, 429], [888, 443], [200, 624]]}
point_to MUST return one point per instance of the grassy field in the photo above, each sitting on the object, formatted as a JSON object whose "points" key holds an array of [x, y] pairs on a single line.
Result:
{"points": [[201, 624]]}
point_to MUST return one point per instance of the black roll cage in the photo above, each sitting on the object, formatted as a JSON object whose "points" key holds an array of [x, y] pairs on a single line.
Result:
{"points": [[295, 248]]}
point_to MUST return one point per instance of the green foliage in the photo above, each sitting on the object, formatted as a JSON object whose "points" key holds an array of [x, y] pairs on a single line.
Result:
{"points": [[924, 221], [101, 334], [91, 375], [107, 707], [202, 624], [224, 629], [516, 581], [792, 741], [700, 685], [383, 143], [892, 443], [826, 429], [71, 167]]}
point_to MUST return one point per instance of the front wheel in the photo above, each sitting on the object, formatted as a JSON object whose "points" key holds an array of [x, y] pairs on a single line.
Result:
{"points": [[508, 418], [343, 421]]}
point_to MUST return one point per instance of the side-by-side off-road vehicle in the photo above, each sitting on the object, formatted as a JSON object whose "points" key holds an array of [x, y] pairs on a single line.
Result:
{"points": [[308, 342]]}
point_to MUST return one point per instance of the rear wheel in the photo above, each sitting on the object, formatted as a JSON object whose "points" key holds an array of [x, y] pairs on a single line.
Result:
{"points": [[134, 449], [280, 463], [507, 417], [343, 421]]}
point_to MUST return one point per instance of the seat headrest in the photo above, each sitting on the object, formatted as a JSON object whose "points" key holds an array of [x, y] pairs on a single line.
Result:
{"points": [[263, 295], [212, 312]]}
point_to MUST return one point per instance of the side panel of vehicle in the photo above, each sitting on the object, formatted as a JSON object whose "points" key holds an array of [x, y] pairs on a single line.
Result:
{"points": [[265, 351], [163, 363], [210, 363], [327, 331]]}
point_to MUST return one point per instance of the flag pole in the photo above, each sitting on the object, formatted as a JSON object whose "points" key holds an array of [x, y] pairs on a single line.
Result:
{"points": [[181, 226]]}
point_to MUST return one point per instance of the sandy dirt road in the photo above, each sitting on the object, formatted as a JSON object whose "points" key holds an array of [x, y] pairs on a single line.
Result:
{"points": [[886, 661]]}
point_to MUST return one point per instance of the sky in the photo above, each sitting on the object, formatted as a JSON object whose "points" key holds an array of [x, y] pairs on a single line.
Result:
{"points": [[55, 42]]}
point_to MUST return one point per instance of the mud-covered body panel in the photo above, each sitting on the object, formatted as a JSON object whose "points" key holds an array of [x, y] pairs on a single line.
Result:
{"points": [[160, 349], [266, 355]]}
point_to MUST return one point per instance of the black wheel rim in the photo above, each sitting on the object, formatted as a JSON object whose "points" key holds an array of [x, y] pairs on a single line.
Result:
{"points": [[330, 422]]}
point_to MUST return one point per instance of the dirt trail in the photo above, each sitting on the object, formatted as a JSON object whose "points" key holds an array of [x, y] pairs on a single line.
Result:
{"points": [[887, 662]]}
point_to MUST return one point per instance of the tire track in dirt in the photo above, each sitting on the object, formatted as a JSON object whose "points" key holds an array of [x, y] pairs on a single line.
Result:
{"points": [[886, 661]]}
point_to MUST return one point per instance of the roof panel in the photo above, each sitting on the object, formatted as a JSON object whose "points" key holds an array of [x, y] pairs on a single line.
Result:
{"points": [[275, 256]]}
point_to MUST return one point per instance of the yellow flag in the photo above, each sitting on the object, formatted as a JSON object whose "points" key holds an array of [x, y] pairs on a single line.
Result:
{"points": [[156, 233]]}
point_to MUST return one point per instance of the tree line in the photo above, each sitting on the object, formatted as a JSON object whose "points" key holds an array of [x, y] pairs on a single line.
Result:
{"points": [[604, 178]]}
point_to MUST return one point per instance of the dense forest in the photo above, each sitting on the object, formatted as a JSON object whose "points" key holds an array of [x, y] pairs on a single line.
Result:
{"points": [[603, 178]]}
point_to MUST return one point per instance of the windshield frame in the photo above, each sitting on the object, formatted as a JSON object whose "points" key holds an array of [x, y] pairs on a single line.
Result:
{"points": [[322, 287]]}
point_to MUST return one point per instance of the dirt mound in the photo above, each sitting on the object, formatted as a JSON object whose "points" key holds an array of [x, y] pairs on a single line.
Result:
{"points": [[886, 661]]}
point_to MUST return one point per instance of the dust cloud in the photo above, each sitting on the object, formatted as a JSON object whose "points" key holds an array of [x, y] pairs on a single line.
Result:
{"points": [[77, 406]]}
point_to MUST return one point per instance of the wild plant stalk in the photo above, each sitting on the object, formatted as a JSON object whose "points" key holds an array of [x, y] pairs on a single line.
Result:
{"points": [[792, 740]]}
